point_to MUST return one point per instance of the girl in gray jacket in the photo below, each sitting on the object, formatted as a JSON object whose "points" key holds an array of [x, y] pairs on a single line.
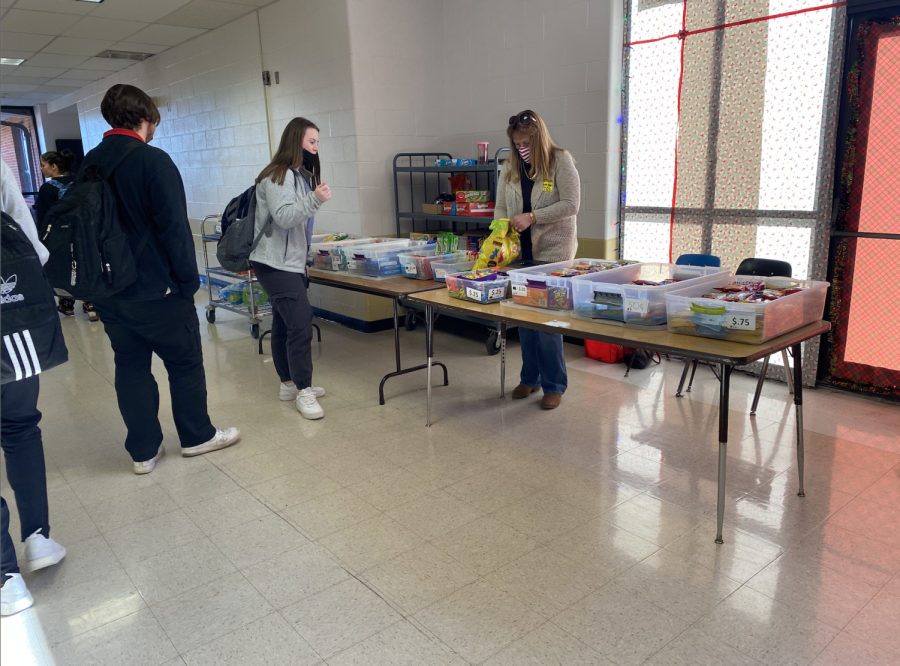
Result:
{"points": [[289, 192]]}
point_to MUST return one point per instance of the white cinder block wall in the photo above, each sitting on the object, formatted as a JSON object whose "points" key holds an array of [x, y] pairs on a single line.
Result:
{"points": [[381, 77]]}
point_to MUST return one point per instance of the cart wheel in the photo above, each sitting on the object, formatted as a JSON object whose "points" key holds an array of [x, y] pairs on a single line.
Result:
{"points": [[254, 331], [493, 343], [410, 322], [211, 316]]}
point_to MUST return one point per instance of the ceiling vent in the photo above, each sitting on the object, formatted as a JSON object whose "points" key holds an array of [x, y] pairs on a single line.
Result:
{"points": [[124, 55]]}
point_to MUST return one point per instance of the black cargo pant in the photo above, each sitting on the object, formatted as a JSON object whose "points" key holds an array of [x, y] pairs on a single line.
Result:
{"points": [[291, 323], [169, 328], [25, 468]]}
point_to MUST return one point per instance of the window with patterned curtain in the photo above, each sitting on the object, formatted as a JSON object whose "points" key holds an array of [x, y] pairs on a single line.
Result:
{"points": [[729, 130]]}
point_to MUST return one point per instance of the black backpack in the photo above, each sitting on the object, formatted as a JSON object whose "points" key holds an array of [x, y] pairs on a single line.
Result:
{"points": [[90, 256], [32, 336], [237, 208], [239, 239]]}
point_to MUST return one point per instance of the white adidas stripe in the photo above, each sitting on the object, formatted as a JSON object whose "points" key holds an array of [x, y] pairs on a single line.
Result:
{"points": [[30, 364]]}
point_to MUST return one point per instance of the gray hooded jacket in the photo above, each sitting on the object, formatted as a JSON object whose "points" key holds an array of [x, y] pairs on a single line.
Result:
{"points": [[292, 207]]}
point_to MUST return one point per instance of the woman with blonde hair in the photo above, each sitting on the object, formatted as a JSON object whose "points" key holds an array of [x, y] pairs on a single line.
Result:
{"points": [[289, 192], [539, 191]]}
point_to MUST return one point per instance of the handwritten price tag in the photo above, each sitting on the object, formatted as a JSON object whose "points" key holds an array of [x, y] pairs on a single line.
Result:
{"points": [[440, 273], [474, 294], [410, 269], [636, 305], [742, 321], [351, 265], [496, 293], [520, 290]]}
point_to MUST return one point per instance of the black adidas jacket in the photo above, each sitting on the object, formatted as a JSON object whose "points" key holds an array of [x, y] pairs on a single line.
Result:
{"points": [[150, 193]]}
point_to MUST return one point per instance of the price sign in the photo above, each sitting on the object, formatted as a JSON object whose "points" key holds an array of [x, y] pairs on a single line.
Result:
{"points": [[351, 265], [741, 321], [410, 269], [496, 293], [636, 305], [520, 290], [440, 273], [474, 294]]}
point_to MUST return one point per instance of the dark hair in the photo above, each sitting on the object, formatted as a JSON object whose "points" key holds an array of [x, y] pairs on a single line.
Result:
{"points": [[124, 107], [290, 154], [64, 160]]}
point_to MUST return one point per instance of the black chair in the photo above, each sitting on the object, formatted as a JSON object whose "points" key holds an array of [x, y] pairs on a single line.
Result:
{"points": [[759, 268]]}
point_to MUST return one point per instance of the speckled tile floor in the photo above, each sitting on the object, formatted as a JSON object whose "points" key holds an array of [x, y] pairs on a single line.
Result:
{"points": [[503, 535]]}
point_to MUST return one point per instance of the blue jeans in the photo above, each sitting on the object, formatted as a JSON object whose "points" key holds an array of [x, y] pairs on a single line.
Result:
{"points": [[543, 362]]}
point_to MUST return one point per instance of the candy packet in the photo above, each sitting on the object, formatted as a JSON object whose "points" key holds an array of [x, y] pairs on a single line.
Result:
{"points": [[501, 247]]}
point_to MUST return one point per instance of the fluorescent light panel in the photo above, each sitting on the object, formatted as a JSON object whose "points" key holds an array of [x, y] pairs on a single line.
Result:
{"points": [[11, 61]]}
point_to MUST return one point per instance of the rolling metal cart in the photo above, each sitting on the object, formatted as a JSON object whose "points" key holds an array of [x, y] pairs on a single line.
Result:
{"points": [[253, 311], [421, 184]]}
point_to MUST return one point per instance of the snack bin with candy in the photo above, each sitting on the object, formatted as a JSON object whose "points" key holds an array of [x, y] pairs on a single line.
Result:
{"points": [[455, 263], [550, 285], [746, 309], [417, 265], [356, 255], [634, 294], [384, 262], [484, 285]]}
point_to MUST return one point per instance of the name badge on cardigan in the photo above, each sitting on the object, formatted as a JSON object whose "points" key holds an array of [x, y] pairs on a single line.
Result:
{"points": [[548, 186]]}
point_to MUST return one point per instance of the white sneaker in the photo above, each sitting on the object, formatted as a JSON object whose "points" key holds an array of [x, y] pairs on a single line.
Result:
{"points": [[14, 597], [308, 406], [287, 393], [224, 438], [42, 551], [149, 465]]}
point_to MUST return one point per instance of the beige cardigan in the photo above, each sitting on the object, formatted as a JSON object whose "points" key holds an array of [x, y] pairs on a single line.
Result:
{"points": [[554, 237]]}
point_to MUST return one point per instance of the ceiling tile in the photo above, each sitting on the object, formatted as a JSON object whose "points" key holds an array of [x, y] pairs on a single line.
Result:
{"points": [[166, 35], [138, 10], [54, 60], [139, 48], [6, 4], [70, 82], [84, 74], [39, 98], [60, 90], [75, 46], [251, 3], [91, 27], [14, 87], [205, 14], [106, 64], [50, 72], [25, 80], [17, 41], [59, 6], [37, 23], [9, 70]]}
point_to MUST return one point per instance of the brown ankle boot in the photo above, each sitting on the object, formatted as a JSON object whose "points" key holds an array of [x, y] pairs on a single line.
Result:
{"points": [[551, 401], [522, 391]]}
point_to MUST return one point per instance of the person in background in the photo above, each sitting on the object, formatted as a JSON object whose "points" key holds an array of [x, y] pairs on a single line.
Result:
{"points": [[23, 448], [539, 191], [289, 192], [58, 167], [156, 314]]}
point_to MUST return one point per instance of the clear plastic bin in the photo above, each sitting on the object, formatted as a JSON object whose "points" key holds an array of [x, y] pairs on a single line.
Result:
{"points": [[609, 295], [537, 288], [418, 263], [326, 256], [384, 260], [355, 256], [487, 291], [750, 323], [441, 268]]}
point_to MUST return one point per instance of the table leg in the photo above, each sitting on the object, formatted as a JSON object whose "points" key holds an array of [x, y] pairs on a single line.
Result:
{"points": [[798, 404], [429, 352], [724, 386], [399, 370], [759, 386], [502, 360], [687, 366]]}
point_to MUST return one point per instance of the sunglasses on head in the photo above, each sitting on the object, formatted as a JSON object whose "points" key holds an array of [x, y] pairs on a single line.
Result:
{"points": [[525, 119]]}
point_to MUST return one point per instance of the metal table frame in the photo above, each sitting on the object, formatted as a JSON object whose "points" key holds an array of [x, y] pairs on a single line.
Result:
{"points": [[378, 288], [729, 355]]}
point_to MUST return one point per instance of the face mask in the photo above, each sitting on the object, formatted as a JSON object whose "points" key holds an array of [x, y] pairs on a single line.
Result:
{"points": [[309, 157], [525, 154]]}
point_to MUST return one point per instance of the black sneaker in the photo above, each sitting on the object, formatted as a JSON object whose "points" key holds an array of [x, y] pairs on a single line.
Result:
{"points": [[66, 306], [88, 309]]}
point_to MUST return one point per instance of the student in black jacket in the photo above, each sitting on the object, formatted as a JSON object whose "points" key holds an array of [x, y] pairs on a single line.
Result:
{"points": [[58, 168], [156, 314]]}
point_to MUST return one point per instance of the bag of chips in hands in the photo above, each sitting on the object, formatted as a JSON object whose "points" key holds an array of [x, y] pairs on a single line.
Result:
{"points": [[501, 247]]}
